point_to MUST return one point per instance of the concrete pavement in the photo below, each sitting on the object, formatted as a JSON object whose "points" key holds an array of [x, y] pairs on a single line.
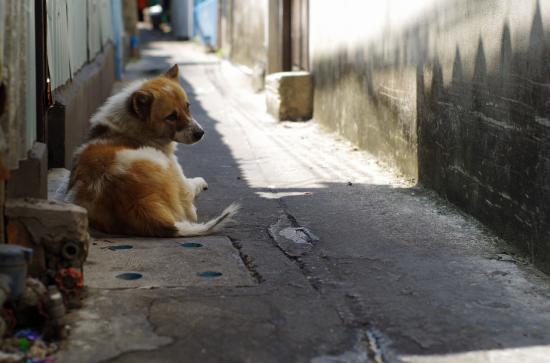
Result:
{"points": [[333, 259]]}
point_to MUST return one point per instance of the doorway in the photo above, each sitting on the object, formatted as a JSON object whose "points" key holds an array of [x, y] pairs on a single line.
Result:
{"points": [[295, 35]]}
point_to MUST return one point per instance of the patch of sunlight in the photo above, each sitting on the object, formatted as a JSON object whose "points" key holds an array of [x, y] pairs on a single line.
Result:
{"points": [[368, 20], [277, 195], [534, 354]]}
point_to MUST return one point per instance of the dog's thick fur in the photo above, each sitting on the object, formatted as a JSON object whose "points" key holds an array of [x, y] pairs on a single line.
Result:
{"points": [[127, 176]]}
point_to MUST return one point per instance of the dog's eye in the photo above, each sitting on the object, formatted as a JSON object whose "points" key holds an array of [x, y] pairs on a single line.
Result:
{"points": [[172, 117]]}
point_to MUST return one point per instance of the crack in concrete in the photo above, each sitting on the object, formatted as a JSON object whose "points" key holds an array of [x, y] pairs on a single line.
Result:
{"points": [[117, 334], [300, 263], [154, 329], [371, 345], [366, 349], [247, 260]]}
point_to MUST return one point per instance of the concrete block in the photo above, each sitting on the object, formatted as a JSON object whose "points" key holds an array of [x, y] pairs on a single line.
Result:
{"points": [[289, 96], [31, 178], [58, 232]]}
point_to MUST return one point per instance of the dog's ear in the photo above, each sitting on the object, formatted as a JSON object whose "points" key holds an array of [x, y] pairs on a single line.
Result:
{"points": [[140, 104], [173, 72]]}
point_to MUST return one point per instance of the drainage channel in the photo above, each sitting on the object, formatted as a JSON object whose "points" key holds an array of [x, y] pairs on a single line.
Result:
{"points": [[148, 262]]}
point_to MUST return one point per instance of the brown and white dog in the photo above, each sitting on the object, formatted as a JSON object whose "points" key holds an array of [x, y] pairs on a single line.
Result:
{"points": [[127, 176]]}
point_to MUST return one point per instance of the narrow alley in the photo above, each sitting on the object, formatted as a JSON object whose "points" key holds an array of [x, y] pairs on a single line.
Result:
{"points": [[275, 181], [333, 257]]}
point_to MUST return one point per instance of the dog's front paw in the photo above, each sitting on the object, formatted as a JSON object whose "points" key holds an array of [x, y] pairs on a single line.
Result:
{"points": [[200, 184]]}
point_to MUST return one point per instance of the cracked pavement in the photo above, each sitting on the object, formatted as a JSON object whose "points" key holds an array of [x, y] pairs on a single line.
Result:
{"points": [[347, 262]]}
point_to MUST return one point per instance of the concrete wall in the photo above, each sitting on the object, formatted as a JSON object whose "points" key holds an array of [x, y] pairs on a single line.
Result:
{"points": [[484, 120], [453, 92], [243, 31], [365, 75]]}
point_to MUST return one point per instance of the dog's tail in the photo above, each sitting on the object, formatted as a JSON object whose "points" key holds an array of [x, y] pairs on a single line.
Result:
{"points": [[188, 229]]}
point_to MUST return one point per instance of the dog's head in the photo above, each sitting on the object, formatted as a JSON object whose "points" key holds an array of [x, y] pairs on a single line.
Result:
{"points": [[162, 105]]}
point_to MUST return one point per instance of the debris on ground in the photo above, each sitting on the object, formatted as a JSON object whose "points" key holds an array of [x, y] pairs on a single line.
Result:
{"points": [[31, 324], [32, 309], [27, 346]]}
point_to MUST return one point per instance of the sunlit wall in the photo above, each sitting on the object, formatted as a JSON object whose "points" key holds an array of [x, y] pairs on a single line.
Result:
{"points": [[453, 93]]}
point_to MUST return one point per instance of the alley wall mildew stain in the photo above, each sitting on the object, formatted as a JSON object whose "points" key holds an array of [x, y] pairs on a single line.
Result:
{"points": [[452, 92], [243, 34]]}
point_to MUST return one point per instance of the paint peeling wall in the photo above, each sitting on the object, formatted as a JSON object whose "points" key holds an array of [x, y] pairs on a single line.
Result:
{"points": [[453, 92], [243, 31]]}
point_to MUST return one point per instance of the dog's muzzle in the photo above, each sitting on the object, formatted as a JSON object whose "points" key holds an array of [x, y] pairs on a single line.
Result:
{"points": [[198, 134], [190, 134]]}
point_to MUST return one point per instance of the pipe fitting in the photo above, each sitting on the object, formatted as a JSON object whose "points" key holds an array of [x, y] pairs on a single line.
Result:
{"points": [[70, 251]]}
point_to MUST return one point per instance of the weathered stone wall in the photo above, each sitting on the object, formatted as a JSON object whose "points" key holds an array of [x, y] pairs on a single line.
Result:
{"points": [[453, 92], [243, 28], [484, 124]]}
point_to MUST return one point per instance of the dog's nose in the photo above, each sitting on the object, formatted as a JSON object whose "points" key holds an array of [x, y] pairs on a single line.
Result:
{"points": [[198, 134]]}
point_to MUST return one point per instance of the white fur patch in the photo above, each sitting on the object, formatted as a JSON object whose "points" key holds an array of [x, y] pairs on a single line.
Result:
{"points": [[125, 158], [178, 166], [115, 106], [186, 228], [167, 88]]}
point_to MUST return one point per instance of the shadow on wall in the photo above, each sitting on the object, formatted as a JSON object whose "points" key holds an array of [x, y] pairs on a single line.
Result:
{"points": [[474, 130], [484, 142], [368, 92]]}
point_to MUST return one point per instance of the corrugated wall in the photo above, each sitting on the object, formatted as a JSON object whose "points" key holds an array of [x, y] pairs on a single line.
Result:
{"points": [[94, 28], [106, 20], [58, 42], [78, 25], [77, 32]]}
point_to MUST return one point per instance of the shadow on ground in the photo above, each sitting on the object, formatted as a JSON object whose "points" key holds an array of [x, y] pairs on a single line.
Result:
{"points": [[395, 269]]}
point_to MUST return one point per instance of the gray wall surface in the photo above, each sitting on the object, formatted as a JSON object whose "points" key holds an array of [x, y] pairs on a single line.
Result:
{"points": [[243, 31], [452, 92]]}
